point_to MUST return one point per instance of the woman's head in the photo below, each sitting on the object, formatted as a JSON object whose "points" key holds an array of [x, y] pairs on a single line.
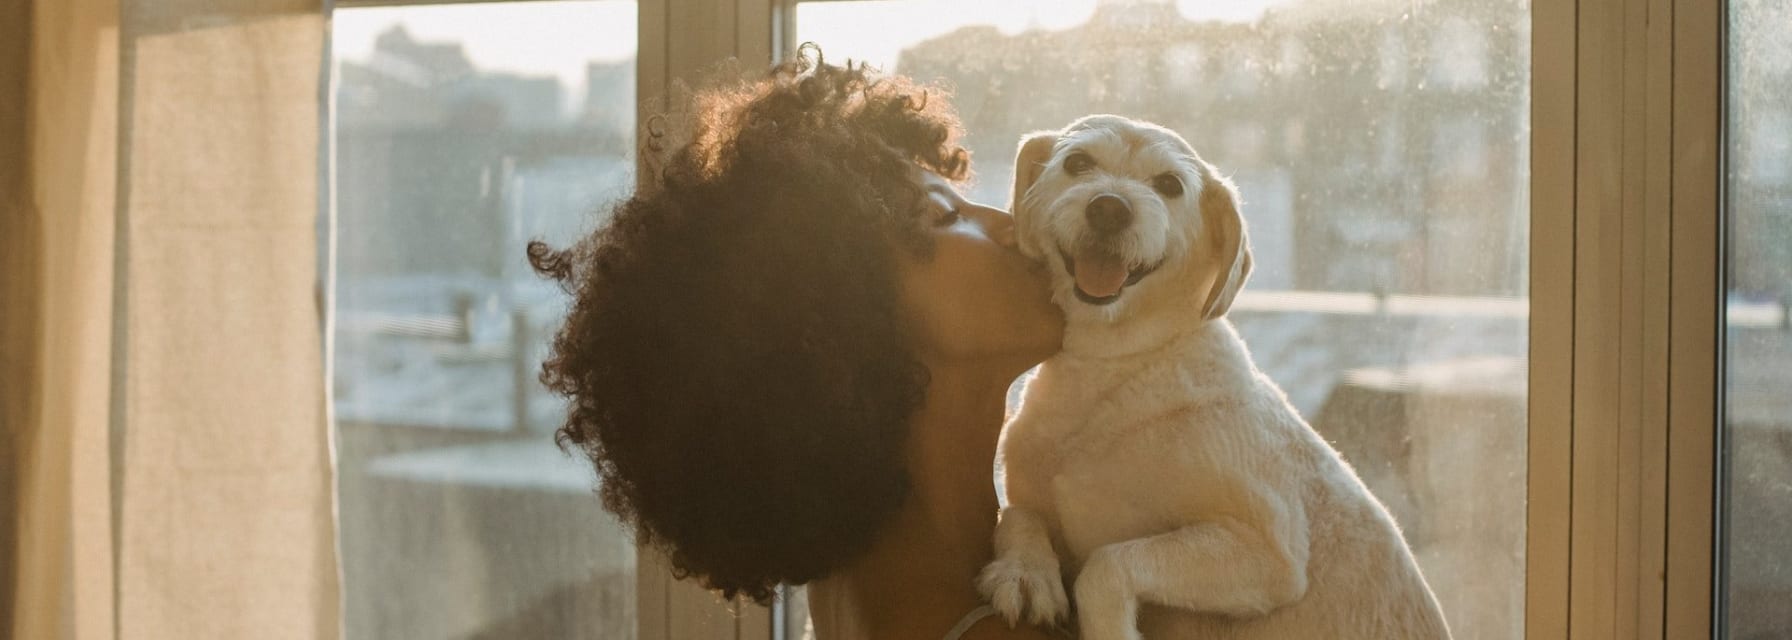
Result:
{"points": [[749, 332]]}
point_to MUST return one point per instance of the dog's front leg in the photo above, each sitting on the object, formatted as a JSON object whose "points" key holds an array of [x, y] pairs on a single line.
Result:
{"points": [[1024, 576], [1224, 567]]}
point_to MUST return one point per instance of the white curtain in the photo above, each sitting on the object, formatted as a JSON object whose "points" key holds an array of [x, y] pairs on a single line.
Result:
{"points": [[167, 462]]}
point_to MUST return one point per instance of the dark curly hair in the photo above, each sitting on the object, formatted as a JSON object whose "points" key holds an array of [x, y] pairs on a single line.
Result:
{"points": [[735, 356]]}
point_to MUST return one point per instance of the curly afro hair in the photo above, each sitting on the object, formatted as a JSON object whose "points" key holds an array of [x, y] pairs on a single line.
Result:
{"points": [[737, 364]]}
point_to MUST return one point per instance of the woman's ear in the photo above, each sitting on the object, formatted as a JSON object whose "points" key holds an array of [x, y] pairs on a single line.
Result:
{"points": [[1029, 162], [1227, 239]]}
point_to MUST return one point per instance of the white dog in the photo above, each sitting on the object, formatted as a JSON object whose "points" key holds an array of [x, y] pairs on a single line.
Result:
{"points": [[1150, 461]]}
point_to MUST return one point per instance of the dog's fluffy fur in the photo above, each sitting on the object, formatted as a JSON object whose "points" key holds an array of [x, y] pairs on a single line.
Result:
{"points": [[1151, 465]]}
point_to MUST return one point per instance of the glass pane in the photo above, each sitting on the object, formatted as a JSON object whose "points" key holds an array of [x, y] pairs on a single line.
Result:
{"points": [[1382, 151], [1758, 410], [462, 132]]}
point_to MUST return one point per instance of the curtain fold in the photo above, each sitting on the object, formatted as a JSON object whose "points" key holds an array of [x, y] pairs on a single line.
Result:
{"points": [[18, 289], [173, 473], [60, 306]]}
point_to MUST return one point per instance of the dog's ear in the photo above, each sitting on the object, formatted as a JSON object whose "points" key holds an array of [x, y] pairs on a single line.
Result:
{"points": [[1230, 244], [1029, 162]]}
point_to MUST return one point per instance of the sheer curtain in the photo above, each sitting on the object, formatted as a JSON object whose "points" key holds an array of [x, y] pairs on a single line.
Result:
{"points": [[166, 461]]}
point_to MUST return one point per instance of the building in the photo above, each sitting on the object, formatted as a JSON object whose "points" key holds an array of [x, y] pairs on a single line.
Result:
{"points": [[1423, 108]]}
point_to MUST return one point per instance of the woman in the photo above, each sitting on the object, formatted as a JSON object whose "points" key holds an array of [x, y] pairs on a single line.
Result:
{"points": [[788, 353]]}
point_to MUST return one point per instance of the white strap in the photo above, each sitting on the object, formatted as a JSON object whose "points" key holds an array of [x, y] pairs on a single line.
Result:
{"points": [[964, 624]]}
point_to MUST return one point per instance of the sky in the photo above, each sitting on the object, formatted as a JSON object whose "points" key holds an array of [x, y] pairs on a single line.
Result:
{"points": [[558, 37], [877, 31]]}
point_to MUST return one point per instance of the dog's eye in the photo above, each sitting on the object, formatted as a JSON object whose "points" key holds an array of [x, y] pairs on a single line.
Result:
{"points": [[1167, 184], [1078, 164]]}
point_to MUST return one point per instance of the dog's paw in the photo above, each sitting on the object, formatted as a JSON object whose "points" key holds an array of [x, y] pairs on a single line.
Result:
{"points": [[1017, 587]]}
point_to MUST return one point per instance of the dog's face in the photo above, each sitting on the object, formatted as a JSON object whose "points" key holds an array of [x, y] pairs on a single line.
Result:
{"points": [[1128, 218]]}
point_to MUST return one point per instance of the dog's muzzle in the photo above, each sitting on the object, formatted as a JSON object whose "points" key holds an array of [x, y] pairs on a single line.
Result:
{"points": [[1100, 273], [1108, 214]]}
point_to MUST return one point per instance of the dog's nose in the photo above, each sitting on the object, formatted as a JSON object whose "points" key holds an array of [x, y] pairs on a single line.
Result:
{"points": [[1108, 213]]}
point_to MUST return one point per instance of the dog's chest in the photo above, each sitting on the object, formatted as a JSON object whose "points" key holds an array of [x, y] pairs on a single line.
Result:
{"points": [[1097, 506], [1154, 453], [1094, 490]]}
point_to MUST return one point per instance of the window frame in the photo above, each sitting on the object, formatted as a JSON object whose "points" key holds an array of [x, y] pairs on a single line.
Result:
{"points": [[1625, 353], [1644, 326]]}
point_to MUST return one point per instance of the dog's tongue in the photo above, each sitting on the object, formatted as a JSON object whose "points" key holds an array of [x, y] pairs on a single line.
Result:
{"points": [[1099, 273]]}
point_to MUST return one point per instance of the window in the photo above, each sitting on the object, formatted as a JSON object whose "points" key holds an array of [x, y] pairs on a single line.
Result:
{"points": [[1757, 514], [1383, 154], [1409, 259], [461, 132]]}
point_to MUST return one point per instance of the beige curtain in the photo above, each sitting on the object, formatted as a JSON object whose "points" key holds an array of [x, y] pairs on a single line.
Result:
{"points": [[166, 462]]}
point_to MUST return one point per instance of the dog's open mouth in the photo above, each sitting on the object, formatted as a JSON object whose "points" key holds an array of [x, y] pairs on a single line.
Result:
{"points": [[1101, 276]]}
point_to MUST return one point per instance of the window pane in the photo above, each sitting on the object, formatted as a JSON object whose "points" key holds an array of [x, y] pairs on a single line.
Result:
{"points": [[1382, 150], [462, 132], [1758, 410]]}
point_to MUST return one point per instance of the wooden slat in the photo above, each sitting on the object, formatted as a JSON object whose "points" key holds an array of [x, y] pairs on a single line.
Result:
{"points": [[1656, 93], [1632, 315], [1696, 294], [1553, 34], [1598, 343]]}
